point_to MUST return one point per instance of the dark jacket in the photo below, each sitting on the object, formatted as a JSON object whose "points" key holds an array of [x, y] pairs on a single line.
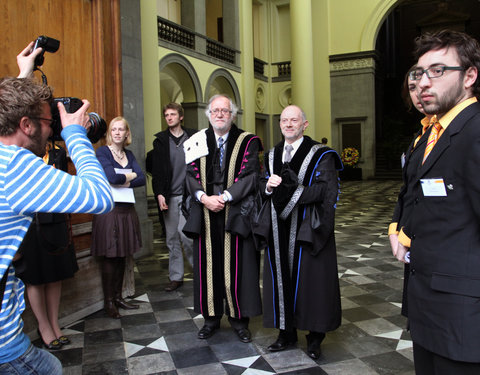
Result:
{"points": [[444, 282], [161, 166]]}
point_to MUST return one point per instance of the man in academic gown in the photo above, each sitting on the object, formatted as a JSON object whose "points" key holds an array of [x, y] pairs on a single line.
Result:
{"points": [[222, 179], [300, 279]]}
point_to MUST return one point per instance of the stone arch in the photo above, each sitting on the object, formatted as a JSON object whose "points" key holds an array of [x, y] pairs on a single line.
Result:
{"points": [[369, 35], [222, 82], [179, 83], [178, 77]]}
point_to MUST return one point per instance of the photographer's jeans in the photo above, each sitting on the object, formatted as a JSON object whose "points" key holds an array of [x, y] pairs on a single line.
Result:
{"points": [[34, 361]]}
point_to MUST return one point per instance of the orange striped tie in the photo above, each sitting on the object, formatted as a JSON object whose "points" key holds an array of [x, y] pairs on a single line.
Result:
{"points": [[432, 139]]}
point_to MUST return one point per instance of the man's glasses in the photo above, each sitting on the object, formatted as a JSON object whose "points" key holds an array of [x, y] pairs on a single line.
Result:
{"points": [[50, 120], [224, 111], [432, 72]]}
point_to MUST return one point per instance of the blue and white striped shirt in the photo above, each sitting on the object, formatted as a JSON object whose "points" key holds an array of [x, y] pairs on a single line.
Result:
{"points": [[28, 185]]}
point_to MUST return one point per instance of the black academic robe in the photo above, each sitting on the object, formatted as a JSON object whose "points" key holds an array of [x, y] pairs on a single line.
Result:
{"points": [[226, 263], [300, 279]]}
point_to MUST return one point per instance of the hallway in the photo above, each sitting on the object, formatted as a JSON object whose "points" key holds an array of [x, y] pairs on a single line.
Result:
{"points": [[161, 337]]}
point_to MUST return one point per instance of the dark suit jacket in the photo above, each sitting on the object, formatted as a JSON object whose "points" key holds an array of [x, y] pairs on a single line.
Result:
{"points": [[444, 282], [161, 166], [401, 214], [413, 156]]}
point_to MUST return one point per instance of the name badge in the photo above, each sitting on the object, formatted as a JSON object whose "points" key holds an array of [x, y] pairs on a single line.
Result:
{"points": [[433, 187]]}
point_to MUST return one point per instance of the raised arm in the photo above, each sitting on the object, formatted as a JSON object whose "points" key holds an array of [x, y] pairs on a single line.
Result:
{"points": [[32, 186]]}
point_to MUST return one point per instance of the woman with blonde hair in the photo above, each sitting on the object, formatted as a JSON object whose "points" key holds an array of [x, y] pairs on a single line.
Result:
{"points": [[116, 235]]}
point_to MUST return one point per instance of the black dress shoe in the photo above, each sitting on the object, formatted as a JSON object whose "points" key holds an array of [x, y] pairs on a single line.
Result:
{"points": [[314, 340], [64, 340], [172, 285], [284, 340], [54, 344], [280, 344], [244, 335], [206, 332]]}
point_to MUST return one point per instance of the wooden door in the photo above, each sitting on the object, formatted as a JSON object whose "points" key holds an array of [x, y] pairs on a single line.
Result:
{"points": [[87, 65]]}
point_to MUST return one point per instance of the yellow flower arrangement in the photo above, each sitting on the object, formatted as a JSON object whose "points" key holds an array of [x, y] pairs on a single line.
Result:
{"points": [[350, 156]]}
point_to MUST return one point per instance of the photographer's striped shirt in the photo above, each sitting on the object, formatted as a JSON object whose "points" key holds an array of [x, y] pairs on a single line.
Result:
{"points": [[28, 185]]}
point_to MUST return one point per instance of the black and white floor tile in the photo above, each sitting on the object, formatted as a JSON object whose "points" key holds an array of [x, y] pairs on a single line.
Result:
{"points": [[161, 337]]}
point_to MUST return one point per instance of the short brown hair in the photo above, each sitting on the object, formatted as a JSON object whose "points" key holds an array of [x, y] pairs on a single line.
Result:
{"points": [[174, 106], [108, 137], [20, 97], [467, 48]]}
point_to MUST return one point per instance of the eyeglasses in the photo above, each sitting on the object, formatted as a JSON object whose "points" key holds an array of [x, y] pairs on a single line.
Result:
{"points": [[432, 72], [217, 111], [293, 121], [50, 120]]}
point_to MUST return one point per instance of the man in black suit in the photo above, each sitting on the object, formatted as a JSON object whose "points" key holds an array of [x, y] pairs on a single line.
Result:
{"points": [[444, 281]]}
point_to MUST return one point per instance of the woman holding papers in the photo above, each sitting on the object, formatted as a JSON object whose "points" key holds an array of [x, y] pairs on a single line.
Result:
{"points": [[116, 235]]}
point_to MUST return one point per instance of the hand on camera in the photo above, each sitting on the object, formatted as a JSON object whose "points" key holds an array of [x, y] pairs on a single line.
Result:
{"points": [[26, 59], [79, 117]]}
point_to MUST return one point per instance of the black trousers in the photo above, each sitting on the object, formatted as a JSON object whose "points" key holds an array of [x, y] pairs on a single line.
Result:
{"points": [[428, 363]]}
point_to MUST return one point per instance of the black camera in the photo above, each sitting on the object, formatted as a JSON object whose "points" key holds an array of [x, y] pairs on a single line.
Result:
{"points": [[98, 125], [48, 45]]}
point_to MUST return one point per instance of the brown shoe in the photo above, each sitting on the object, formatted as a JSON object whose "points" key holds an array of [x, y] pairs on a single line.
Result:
{"points": [[172, 285], [120, 302]]}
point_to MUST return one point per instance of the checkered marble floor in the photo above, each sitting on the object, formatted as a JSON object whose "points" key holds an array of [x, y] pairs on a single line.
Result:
{"points": [[161, 337]]}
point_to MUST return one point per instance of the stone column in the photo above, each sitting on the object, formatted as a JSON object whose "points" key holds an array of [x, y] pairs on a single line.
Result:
{"points": [[303, 91], [353, 103], [193, 15], [194, 115], [231, 21], [248, 75], [133, 104]]}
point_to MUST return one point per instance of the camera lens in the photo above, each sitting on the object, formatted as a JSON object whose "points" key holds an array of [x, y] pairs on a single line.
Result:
{"points": [[98, 128]]}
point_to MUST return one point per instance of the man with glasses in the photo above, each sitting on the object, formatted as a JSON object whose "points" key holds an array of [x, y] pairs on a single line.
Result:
{"points": [[223, 185], [443, 224], [300, 275]]}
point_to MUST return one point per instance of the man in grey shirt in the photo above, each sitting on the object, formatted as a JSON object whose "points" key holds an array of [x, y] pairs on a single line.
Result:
{"points": [[168, 178]]}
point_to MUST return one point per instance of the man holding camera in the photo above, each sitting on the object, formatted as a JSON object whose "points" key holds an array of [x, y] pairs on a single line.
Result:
{"points": [[28, 185]]}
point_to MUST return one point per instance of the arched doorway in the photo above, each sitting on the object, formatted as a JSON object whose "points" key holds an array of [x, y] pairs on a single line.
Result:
{"points": [[222, 82], [179, 83], [394, 44]]}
